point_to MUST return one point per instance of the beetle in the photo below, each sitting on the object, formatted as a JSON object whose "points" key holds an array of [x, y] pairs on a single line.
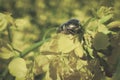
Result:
{"points": [[72, 26]]}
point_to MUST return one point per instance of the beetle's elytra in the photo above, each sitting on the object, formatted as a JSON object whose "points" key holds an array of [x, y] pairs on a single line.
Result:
{"points": [[72, 26]]}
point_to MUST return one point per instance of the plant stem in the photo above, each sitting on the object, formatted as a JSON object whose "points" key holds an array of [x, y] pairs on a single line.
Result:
{"points": [[32, 47], [9, 33], [47, 32], [36, 45]]}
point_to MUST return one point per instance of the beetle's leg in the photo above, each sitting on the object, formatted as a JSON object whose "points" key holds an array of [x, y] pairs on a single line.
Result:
{"points": [[71, 31]]}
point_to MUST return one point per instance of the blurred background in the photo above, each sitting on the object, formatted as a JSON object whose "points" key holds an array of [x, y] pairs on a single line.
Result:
{"points": [[36, 17]]}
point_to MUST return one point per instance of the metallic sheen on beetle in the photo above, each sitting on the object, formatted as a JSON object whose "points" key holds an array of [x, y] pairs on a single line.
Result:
{"points": [[72, 26]]}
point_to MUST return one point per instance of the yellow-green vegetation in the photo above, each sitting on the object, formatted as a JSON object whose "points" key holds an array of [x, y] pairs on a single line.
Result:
{"points": [[31, 48], [16, 70]]}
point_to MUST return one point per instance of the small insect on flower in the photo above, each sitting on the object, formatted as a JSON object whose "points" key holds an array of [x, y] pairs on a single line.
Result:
{"points": [[72, 26]]}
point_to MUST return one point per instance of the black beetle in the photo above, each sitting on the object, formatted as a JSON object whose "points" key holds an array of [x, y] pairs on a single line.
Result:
{"points": [[72, 26]]}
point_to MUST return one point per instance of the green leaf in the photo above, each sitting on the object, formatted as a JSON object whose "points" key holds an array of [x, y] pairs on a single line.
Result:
{"points": [[20, 78], [65, 43], [59, 43], [6, 51], [90, 50], [79, 49], [5, 19], [43, 62], [93, 25], [101, 41], [104, 11], [39, 59], [6, 54], [102, 28], [81, 64], [3, 22], [17, 67], [106, 18], [50, 46], [114, 24]]}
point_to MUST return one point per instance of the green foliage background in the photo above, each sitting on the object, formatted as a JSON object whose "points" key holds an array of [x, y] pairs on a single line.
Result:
{"points": [[26, 24]]}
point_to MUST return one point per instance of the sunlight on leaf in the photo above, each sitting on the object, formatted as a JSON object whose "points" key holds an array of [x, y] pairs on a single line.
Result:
{"points": [[106, 18], [114, 24], [61, 56], [102, 28], [65, 43], [104, 11], [60, 43], [17, 67], [92, 26], [6, 54]]}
